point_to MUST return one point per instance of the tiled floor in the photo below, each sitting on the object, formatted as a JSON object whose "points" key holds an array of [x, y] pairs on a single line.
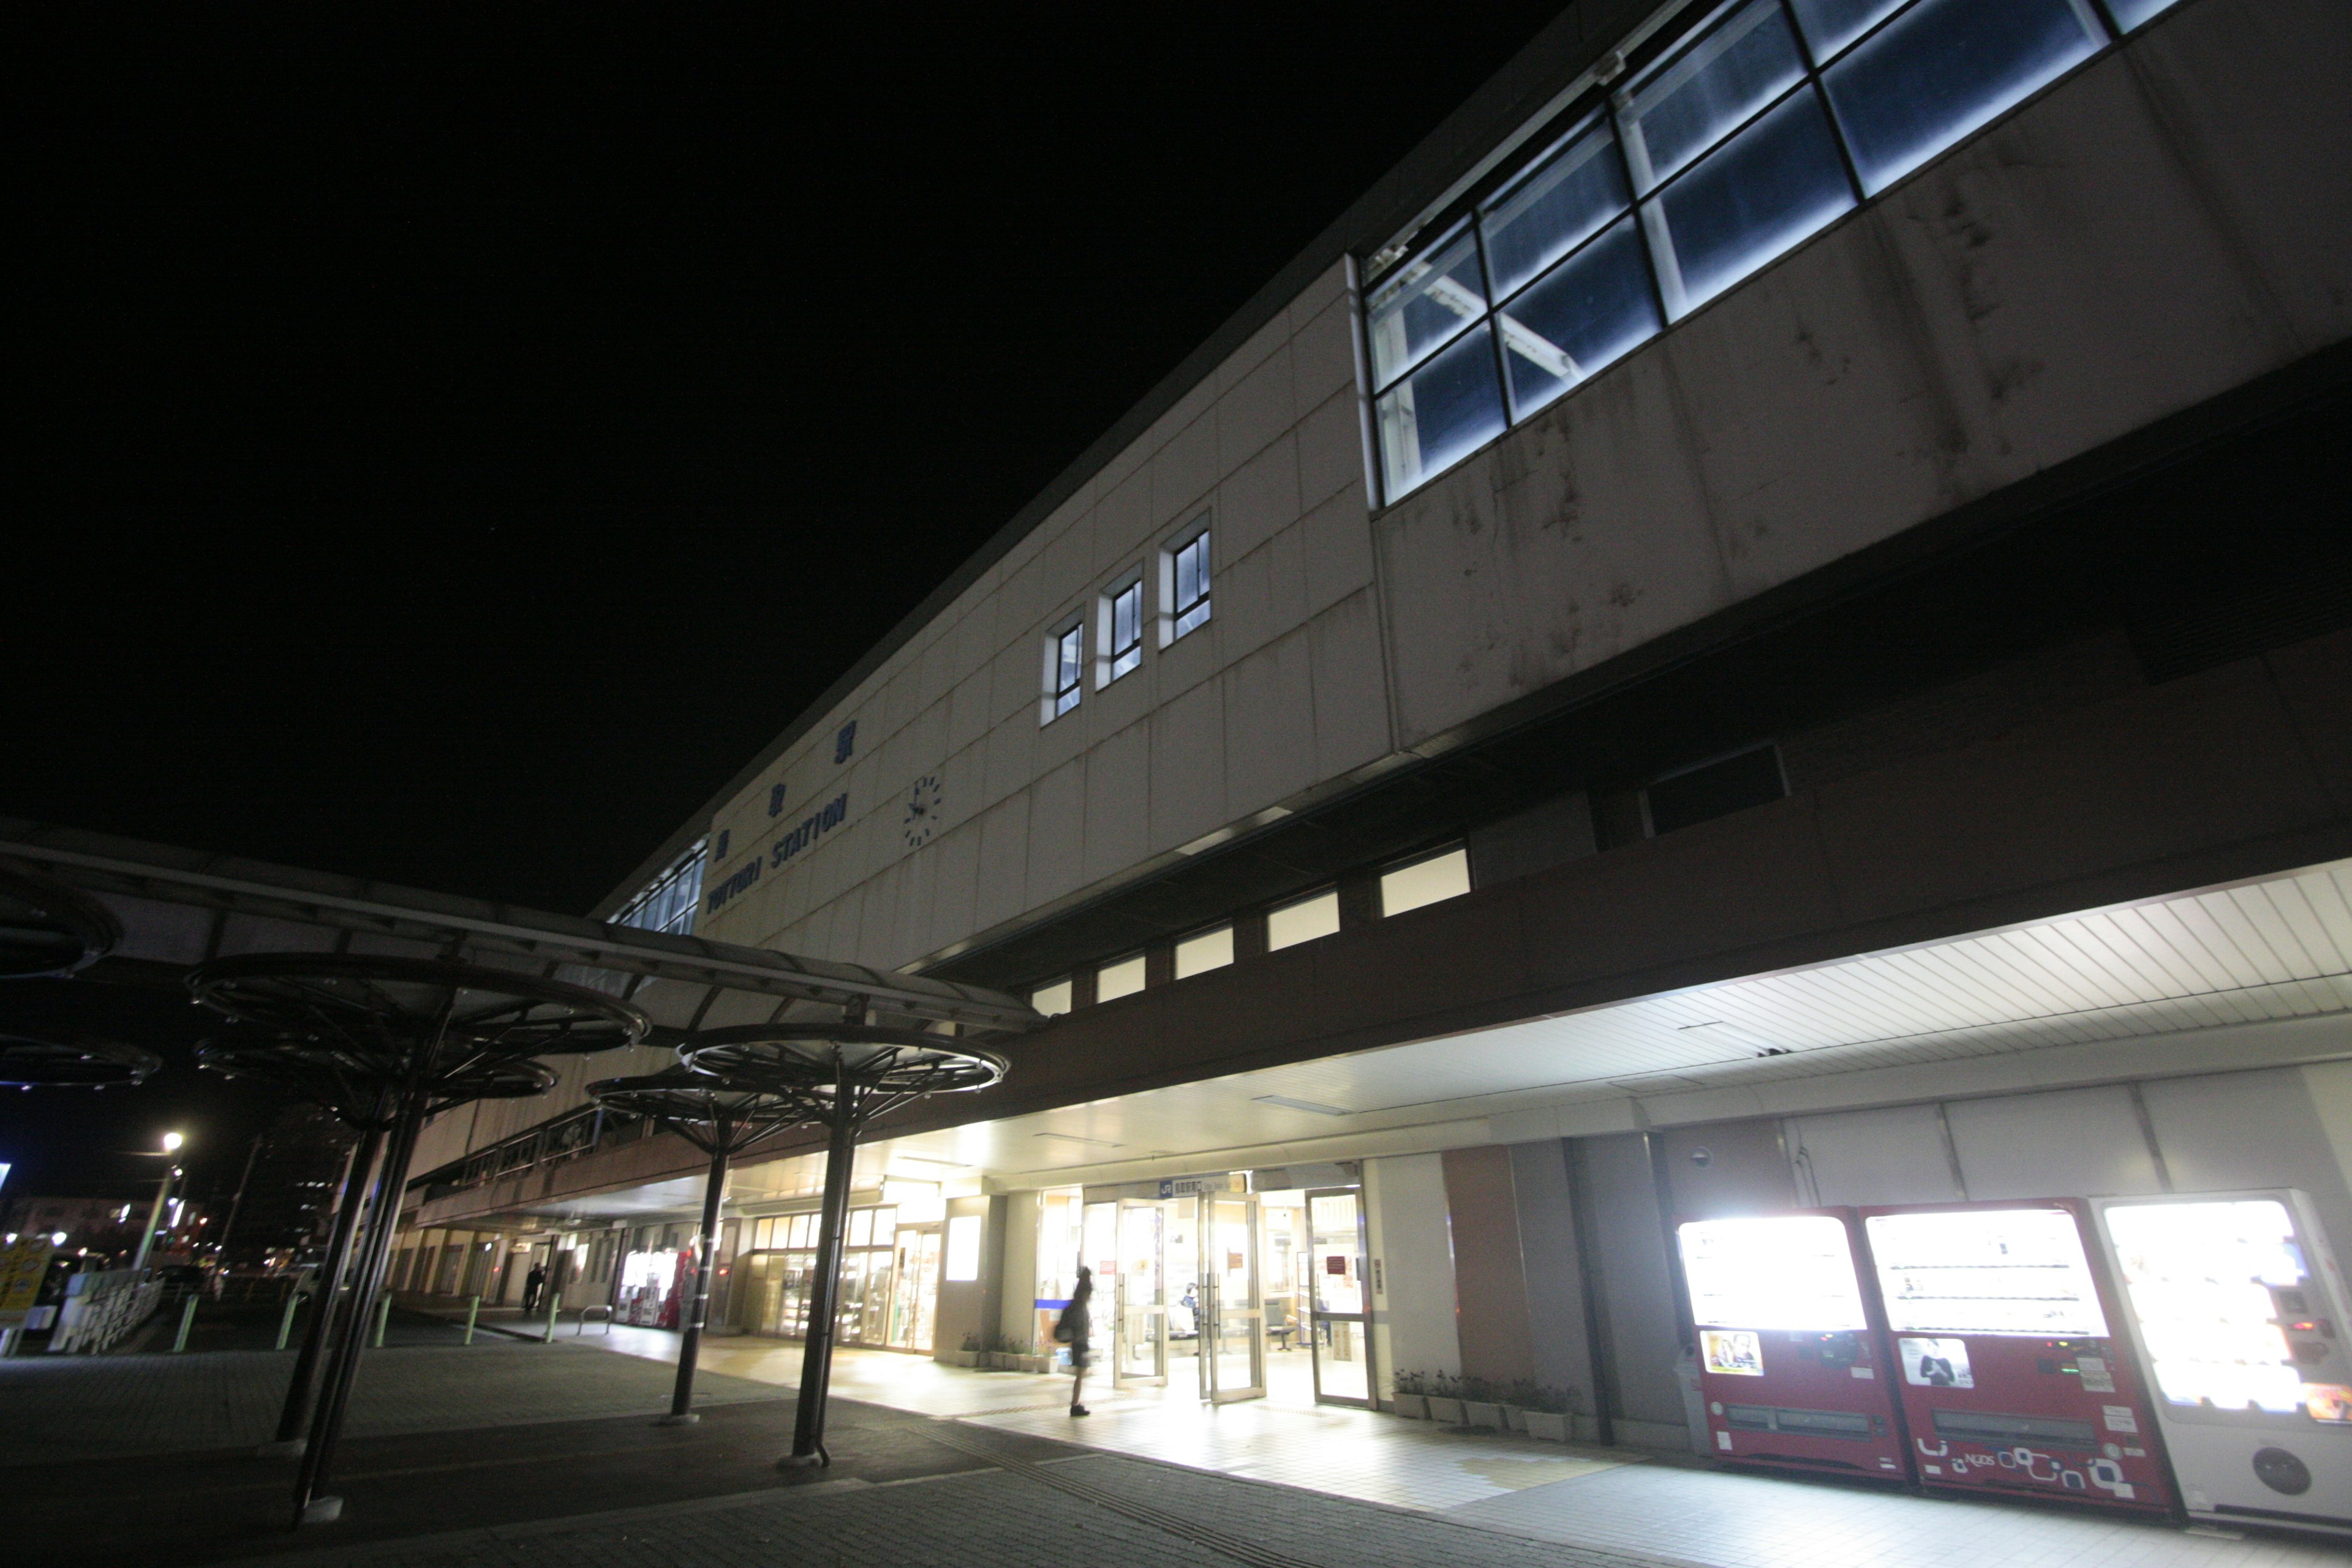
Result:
{"points": [[1601, 1499]]}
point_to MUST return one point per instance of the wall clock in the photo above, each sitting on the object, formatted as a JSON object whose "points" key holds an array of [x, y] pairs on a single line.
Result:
{"points": [[922, 810]]}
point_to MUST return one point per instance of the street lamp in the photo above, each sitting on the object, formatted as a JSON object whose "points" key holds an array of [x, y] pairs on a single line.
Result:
{"points": [[171, 1141]]}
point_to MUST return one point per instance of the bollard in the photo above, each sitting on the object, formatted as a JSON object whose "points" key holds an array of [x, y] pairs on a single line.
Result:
{"points": [[382, 1316], [554, 1300], [286, 1319], [473, 1310], [187, 1320]]}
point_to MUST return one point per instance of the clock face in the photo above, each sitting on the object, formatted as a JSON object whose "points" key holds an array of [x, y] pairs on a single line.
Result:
{"points": [[922, 810]]}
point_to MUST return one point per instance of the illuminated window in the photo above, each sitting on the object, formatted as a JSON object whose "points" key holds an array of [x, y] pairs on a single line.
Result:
{"points": [[1184, 587], [1753, 130], [1124, 978], [1208, 949], [1052, 1000], [1066, 660], [667, 902], [1303, 920], [1122, 631], [1426, 881]]}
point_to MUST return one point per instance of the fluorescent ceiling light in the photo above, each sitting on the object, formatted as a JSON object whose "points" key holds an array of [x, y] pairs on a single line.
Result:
{"points": [[1284, 1100]]}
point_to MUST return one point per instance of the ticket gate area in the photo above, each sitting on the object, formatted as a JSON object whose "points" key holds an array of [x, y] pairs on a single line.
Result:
{"points": [[1790, 1363], [2012, 1375]]}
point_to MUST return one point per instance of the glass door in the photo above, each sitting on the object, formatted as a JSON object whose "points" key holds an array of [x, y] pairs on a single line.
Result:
{"points": [[1232, 1316], [1341, 1329], [1140, 1325], [915, 1288]]}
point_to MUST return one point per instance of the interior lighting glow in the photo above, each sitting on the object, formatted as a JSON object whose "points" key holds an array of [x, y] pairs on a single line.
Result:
{"points": [[171, 1141], [1784, 1272], [1985, 1271], [2200, 1278]]}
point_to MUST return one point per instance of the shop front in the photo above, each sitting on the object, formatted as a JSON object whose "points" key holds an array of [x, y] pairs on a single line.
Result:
{"points": [[891, 1258]]}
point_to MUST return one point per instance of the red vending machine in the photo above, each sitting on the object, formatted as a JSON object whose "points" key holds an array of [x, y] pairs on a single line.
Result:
{"points": [[2013, 1373], [1788, 1356]]}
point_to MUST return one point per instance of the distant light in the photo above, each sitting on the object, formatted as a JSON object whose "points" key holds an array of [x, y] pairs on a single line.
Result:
{"points": [[171, 1141], [56, 1239]]}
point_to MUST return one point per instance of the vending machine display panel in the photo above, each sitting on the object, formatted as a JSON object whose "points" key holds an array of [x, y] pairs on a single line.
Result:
{"points": [[1787, 1344], [2011, 1377], [2239, 1311]]}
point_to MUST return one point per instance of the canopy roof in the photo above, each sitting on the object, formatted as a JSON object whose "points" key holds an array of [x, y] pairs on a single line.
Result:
{"points": [[180, 907]]}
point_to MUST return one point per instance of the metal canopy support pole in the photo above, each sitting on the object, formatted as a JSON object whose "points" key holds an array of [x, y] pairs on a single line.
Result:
{"points": [[289, 1441], [816, 1362], [327, 1421], [714, 1191]]}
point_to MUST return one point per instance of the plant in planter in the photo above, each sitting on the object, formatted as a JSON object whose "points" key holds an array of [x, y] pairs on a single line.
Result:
{"points": [[968, 1356], [1541, 1410], [1445, 1399], [1411, 1394], [1482, 1403]]}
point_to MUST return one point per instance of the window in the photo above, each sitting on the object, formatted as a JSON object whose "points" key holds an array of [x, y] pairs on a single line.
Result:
{"points": [[1123, 978], [1122, 632], [963, 1249], [667, 902], [1184, 587], [1053, 1000], [1208, 949], [1764, 123], [1425, 882], [1713, 789], [1065, 660], [1303, 920]]}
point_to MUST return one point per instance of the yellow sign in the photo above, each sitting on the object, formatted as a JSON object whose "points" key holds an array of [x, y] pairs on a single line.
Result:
{"points": [[22, 1268]]}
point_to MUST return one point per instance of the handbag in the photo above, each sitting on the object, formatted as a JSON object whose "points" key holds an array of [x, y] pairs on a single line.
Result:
{"points": [[1061, 1333]]}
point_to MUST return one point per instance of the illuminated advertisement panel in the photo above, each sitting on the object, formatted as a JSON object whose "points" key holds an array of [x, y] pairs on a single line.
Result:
{"points": [[2216, 1288], [1785, 1272], [1985, 1271]]}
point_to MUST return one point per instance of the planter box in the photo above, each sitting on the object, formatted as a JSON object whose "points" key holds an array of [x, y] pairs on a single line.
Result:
{"points": [[958, 1358], [1543, 1424], [1515, 1418], [1036, 1363], [1446, 1410], [1413, 1407], [1480, 1412]]}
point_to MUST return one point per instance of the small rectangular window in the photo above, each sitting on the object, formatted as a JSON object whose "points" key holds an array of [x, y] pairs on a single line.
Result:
{"points": [[1429, 881], [1188, 597], [1208, 949], [1122, 631], [1317, 915], [1122, 978], [1052, 1000], [1713, 789], [1066, 661]]}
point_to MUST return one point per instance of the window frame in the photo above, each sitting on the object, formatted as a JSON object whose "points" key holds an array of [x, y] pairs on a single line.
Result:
{"points": [[1109, 652], [1604, 95], [1176, 949], [1056, 700], [1142, 971], [1338, 919], [1200, 531], [1444, 851]]}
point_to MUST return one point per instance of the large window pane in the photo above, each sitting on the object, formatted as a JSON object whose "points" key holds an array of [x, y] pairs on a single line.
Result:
{"points": [[1441, 413], [1695, 99], [2130, 14], [1563, 203], [1831, 25], [1584, 313], [1945, 68], [1428, 301], [1774, 184]]}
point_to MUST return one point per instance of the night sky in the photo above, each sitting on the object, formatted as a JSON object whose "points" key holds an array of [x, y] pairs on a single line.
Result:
{"points": [[447, 459]]}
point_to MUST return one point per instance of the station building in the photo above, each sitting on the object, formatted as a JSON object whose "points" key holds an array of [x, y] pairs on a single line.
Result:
{"points": [[1761, 626]]}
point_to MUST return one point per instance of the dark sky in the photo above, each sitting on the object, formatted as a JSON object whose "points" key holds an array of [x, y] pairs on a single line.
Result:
{"points": [[448, 457]]}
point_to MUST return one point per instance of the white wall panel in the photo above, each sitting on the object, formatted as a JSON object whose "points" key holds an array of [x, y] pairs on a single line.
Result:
{"points": [[1891, 1156], [1412, 1251], [2080, 1144], [2250, 1130]]}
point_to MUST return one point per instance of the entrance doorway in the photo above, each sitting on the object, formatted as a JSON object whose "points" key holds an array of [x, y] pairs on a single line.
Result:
{"points": [[1188, 1303], [1339, 1328]]}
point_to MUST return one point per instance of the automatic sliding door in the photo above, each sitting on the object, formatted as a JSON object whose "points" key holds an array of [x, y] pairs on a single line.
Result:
{"points": [[1139, 1322], [1232, 1319]]}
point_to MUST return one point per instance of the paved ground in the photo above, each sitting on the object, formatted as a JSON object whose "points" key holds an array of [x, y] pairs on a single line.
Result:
{"points": [[74, 1407]]}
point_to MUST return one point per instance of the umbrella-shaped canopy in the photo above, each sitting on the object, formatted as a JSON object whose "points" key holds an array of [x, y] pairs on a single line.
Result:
{"points": [[352, 1089], [48, 927], [28, 1063], [707, 1111], [881, 1068]]}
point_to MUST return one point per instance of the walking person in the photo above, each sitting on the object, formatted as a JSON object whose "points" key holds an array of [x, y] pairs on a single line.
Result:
{"points": [[1075, 1329], [532, 1284]]}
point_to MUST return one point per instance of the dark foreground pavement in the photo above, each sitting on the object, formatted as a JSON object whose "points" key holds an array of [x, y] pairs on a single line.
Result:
{"points": [[470, 1458]]}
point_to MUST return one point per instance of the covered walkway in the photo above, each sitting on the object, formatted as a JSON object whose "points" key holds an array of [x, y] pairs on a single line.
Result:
{"points": [[1622, 1499]]}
